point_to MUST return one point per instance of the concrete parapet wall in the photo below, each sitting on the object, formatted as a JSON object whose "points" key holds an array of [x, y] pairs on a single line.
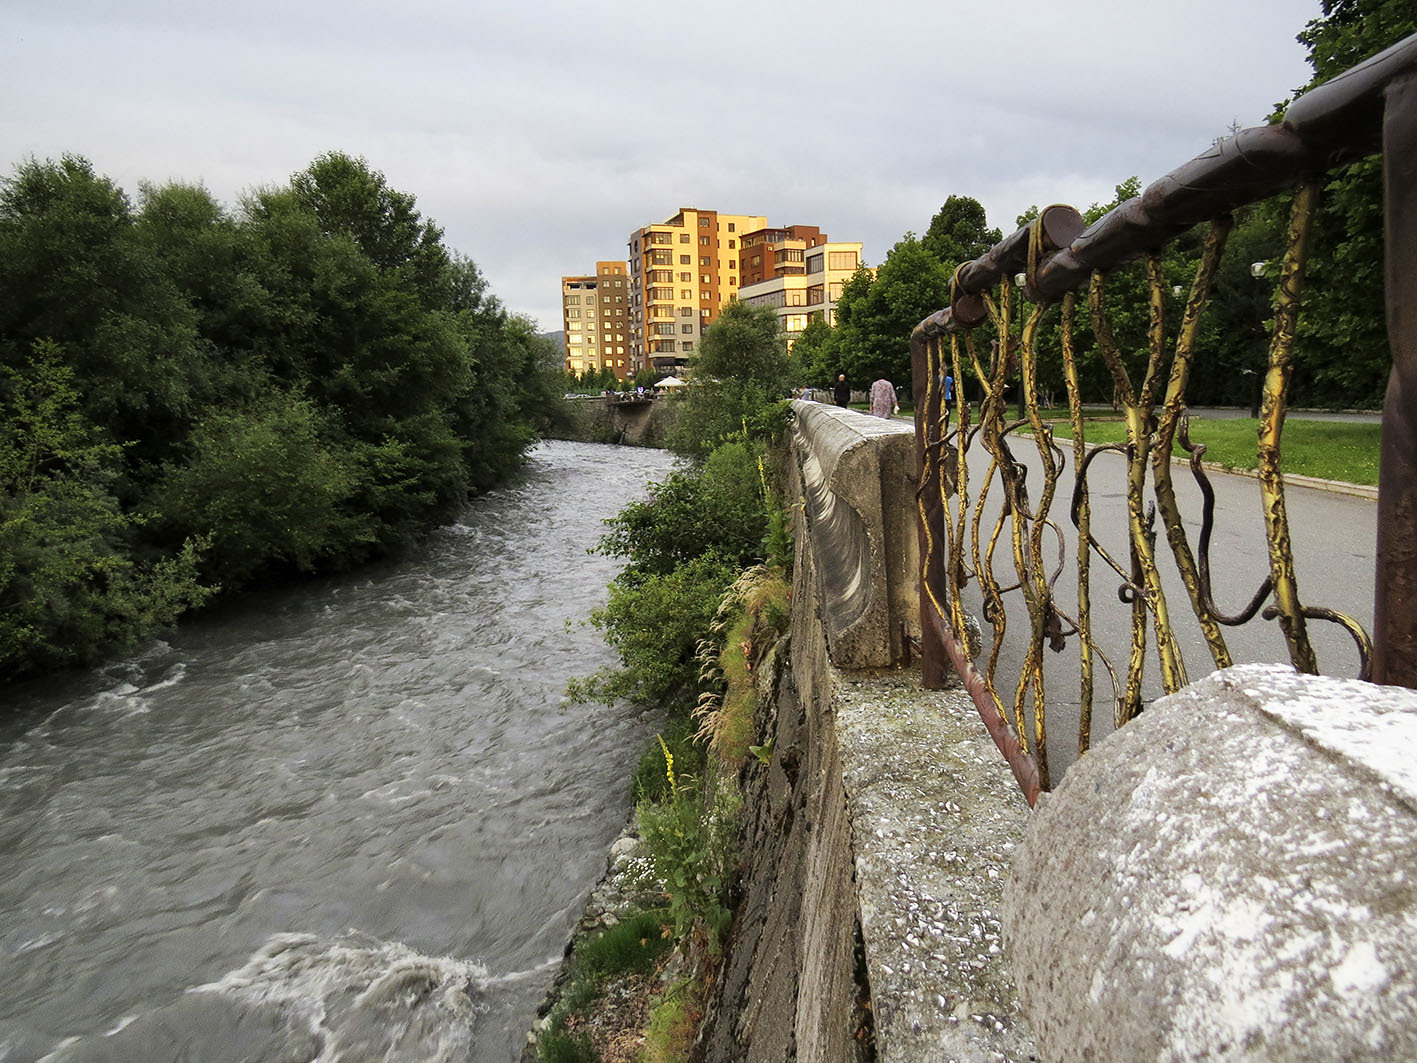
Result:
{"points": [[1233, 875], [858, 488], [878, 833], [597, 419]]}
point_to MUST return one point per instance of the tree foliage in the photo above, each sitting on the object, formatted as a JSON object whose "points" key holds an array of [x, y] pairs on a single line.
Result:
{"points": [[959, 233], [1342, 354], [741, 373], [876, 315], [198, 398]]}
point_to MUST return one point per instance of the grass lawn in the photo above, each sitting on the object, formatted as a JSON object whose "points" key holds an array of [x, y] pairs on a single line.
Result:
{"points": [[1330, 450]]}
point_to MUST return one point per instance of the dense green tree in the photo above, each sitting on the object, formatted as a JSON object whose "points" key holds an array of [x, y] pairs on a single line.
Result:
{"points": [[876, 315], [72, 272], [69, 589], [292, 388], [959, 232], [811, 358], [1342, 353], [741, 371], [718, 507]]}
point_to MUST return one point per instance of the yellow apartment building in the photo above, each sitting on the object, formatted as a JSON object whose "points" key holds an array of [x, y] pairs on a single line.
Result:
{"points": [[595, 317], [801, 286], [682, 273]]}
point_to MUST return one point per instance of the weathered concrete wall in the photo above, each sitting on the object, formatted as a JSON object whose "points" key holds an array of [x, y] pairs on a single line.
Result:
{"points": [[1230, 876], [596, 419], [857, 480], [879, 830]]}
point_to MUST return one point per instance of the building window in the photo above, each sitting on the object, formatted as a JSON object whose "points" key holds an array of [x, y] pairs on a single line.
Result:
{"points": [[687, 330], [730, 226], [836, 287], [732, 263], [703, 223], [705, 260], [684, 260], [796, 322], [733, 281], [573, 300], [686, 311], [686, 345], [757, 260], [685, 278], [814, 264], [573, 313], [704, 296], [703, 241], [683, 238], [841, 259], [731, 243]]}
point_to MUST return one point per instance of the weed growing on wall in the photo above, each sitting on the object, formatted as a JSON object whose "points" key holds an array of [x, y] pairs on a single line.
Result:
{"points": [[691, 836]]}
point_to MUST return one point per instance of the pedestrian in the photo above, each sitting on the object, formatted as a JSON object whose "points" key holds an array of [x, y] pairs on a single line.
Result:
{"points": [[883, 402], [842, 391], [949, 396]]}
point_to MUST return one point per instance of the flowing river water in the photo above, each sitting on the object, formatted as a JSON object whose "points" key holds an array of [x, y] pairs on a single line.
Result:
{"points": [[344, 822]]}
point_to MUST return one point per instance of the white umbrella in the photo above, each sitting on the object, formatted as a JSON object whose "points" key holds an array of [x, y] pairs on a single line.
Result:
{"points": [[670, 382]]}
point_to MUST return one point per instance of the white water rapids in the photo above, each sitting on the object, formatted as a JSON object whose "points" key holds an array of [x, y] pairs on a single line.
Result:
{"points": [[347, 821]]}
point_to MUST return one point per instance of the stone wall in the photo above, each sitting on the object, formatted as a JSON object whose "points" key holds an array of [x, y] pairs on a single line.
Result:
{"points": [[597, 419], [878, 832], [1230, 876]]}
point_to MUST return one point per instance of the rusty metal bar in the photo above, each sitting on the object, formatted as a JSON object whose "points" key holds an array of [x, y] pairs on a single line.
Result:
{"points": [[1057, 256], [1276, 384], [1395, 601]]}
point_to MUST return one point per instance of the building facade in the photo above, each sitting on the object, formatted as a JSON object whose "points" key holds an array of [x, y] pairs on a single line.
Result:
{"points": [[798, 293], [770, 253], [682, 273], [595, 317]]}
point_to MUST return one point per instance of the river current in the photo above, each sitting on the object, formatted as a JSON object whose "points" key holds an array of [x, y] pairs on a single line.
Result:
{"points": [[347, 821]]}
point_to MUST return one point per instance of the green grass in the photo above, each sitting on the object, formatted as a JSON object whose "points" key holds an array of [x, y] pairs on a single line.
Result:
{"points": [[1331, 450], [631, 946]]}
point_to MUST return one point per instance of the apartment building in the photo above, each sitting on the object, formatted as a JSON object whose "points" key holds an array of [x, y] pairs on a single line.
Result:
{"points": [[682, 273], [799, 288], [595, 316], [770, 253]]}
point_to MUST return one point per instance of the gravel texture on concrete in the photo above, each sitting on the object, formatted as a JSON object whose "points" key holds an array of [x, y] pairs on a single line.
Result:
{"points": [[1229, 877], [935, 818]]}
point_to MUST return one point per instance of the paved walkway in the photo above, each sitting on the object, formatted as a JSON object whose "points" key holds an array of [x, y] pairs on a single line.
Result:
{"points": [[1333, 528]]}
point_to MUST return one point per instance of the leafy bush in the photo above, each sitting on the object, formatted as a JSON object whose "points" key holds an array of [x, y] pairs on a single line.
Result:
{"points": [[656, 625], [715, 507]]}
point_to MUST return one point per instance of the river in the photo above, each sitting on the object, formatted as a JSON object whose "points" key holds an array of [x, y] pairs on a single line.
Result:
{"points": [[346, 821]]}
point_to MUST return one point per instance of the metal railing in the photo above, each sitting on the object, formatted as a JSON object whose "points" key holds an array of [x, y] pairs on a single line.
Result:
{"points": [[1371, 108]]}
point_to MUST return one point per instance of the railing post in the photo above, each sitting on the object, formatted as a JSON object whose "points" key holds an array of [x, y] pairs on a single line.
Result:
{"points": [[1395, 592], [934, 662]]}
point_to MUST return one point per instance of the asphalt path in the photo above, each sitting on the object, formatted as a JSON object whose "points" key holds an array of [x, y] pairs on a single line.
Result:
{"points": [[1334, 540]]}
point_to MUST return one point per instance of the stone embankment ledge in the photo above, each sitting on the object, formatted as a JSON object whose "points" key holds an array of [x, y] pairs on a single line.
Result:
{"points": [[858, 481], [880, 830], [1229, 877]]}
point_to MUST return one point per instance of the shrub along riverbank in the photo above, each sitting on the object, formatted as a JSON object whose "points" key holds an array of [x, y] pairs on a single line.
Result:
{"points": [[696, 613], [194, 401]]}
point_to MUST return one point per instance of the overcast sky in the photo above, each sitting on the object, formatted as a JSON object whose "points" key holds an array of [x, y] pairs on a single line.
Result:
{"points": [[539, 133]]}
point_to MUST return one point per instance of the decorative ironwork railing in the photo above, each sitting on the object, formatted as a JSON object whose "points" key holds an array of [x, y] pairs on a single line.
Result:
{"points": [[1371, 108]]}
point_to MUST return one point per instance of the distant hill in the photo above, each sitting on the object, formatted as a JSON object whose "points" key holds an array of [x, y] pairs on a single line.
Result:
{"points": [[558, 338]]}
